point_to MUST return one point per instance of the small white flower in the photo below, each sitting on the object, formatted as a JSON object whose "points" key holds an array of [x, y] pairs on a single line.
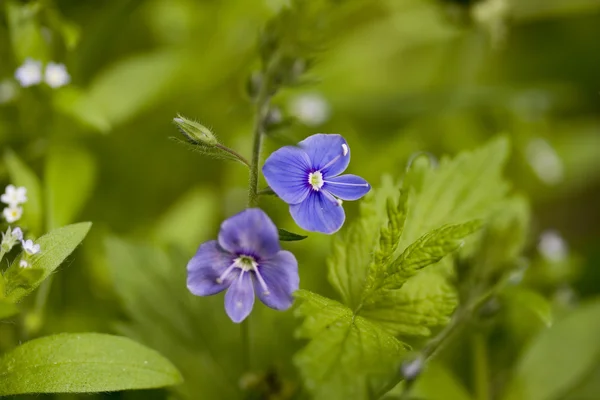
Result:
{"points": [[30, 247], [56, 75], [17, 233], [13, 196], [310, 109], [30, 73], [24, 264], [12, 213]]}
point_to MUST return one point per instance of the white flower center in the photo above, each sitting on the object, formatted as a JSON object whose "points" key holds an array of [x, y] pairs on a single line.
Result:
{"points": [[246, 263], [315, 179]]}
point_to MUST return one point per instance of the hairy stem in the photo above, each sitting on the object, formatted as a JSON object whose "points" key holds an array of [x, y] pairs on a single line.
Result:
{"points": [[262, 108]]}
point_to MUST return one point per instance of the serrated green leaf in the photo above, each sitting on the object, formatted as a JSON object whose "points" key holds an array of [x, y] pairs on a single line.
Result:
{"points": [[69, 180], [286, 236], [352, 249], [55, 246], [465, 188], [428, 250], [425, 301], [83, 363], [7, 309], [348, 357], [22, 175], [559, 358]]}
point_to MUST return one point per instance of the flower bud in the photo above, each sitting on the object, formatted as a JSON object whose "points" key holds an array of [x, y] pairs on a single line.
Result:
{"points": [[195, 132]]}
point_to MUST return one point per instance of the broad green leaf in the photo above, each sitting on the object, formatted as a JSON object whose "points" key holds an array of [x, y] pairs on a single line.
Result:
{"points": [[348, 357], [55, 246], [530, 300], [462, 189], [559, 358], [69, 180], [83, 363], [25, 30], [190, 220], [425, 301], [22, 175], [286, 236], [7, 309]]}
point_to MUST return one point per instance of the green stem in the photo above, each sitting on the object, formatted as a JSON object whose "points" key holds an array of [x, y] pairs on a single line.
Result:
{"points": [[262, 108]]}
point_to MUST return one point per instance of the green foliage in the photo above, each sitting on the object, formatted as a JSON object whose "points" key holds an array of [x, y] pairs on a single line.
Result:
{"points": [[559, 358], [55, 246], [22, 175], [69, 179], [86, 362], [379, 268], [348, 356], [286, 236], [173, 321]]}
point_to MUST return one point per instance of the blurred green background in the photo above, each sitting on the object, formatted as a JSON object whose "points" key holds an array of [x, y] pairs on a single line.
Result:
{"points": [[396, 77]]}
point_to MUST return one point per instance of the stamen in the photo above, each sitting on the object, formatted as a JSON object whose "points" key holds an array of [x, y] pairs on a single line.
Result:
{"points": [[315, 179], [262, 282], [347, 184], [227, 271], [344, 154]]}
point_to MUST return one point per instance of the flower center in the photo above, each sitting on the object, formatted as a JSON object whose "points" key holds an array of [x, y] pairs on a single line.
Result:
{"points": [[246, 263], [315, 179]]}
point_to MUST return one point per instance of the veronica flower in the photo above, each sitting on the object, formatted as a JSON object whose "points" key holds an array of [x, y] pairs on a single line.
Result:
{"points": [[246, 259], [307, 177]]}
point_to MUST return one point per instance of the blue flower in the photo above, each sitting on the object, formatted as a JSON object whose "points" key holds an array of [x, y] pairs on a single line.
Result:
{"points": [[308, 178], [246, 258]]}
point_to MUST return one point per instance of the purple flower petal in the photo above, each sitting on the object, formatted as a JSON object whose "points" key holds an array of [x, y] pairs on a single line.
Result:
{"points": [[206, 267], [280, 276], [319, 212], [347, 187], [239, 299], [286, 171], [250, 232], [328, 153]]}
